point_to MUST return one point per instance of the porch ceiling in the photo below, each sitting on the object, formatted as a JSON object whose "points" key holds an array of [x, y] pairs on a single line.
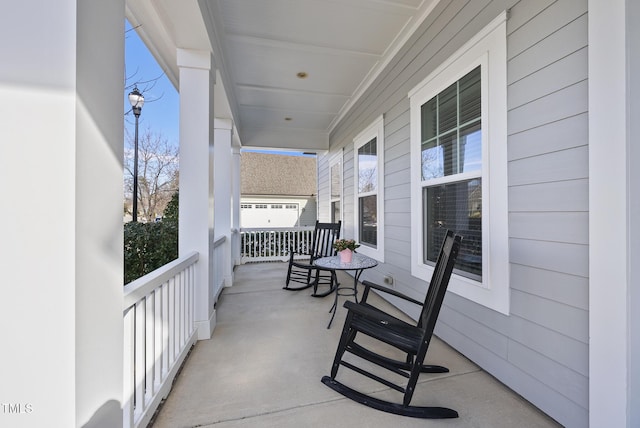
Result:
{"points": [[260, 47]]}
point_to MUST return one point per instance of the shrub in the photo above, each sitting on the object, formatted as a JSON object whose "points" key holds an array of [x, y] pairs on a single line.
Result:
{"points": [[148, 246]]}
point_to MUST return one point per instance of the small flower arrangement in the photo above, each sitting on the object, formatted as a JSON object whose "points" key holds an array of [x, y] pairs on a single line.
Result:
{"points": [[345, 244]]}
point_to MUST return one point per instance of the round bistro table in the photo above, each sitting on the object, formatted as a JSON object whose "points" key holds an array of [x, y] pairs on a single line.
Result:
{"points": [[359, 263]]}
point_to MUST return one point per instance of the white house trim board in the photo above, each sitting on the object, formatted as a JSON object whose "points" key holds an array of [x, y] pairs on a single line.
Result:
{"points": [[487, 49], [609, 221]]}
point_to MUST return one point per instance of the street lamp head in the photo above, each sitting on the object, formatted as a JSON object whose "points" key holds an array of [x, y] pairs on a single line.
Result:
{"points": [[136, 99]]}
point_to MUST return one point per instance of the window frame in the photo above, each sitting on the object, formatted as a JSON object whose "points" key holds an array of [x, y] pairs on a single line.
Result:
{"points": [[374, 130], [487, 49]]}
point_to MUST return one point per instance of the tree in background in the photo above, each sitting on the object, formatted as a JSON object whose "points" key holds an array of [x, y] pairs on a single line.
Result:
{"points": [[158, 173]]}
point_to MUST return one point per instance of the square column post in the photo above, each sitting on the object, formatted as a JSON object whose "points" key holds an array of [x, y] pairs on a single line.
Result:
{"points": [[61, 134], [236, 185], [222, 168], [197, 80], [614, 240]]}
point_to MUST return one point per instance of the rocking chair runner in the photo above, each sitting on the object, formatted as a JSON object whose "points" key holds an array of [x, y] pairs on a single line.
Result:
{"points": [[300, 271], [412, 340]]}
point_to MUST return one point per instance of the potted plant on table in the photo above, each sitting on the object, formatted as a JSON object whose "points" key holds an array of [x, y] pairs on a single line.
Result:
{"points": [[345, 248]]}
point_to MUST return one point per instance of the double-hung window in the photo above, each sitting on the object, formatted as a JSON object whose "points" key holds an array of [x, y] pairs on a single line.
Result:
{"points": [[369, 190], [459, 167], [451, 171]]}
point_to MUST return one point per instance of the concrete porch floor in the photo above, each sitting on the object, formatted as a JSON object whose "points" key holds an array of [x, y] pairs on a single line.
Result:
{"points": [[270, 348]]}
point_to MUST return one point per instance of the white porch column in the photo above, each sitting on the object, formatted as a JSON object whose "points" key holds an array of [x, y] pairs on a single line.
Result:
{"points": [[197, 79], [614, 239], [61, 108], [236, 186], [222, 168]]}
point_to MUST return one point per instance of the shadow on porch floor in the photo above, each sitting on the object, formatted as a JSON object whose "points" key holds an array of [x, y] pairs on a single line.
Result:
{"points": [[263, 365]]}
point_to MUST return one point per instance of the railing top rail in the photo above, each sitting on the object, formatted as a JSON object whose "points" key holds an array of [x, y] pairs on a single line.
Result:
{"points": [[141, 287], [275, 229], [219, 241]]}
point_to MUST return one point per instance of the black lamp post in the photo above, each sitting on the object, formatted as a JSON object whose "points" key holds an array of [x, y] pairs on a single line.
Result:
{"points": [[137, 101]]}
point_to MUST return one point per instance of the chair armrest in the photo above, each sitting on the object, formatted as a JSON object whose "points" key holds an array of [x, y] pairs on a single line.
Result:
{"points": [[373, 313], [363, 310], [368, 285], [293, 252]]}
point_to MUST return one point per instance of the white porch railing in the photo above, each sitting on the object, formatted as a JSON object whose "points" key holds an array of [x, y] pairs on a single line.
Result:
{"points": [[159, 331], [273, 244]]}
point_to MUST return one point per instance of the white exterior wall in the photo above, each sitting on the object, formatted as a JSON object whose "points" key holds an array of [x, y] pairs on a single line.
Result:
{"points": [[61, 89]]}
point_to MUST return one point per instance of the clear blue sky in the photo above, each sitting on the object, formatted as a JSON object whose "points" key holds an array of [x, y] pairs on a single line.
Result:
{"points": [[160, 112]]}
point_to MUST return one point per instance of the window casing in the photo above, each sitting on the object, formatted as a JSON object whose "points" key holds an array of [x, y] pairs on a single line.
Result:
{"points": [[459, 167], [369, 190]]}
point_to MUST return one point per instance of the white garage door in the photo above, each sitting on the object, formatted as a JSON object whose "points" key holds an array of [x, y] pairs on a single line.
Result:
{"points": [[269, 215]]}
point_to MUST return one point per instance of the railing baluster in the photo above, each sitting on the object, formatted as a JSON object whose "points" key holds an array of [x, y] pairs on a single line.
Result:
{"points": [[139, 359], [178, 319], [181, 309], [158, 345], [149, 351], [172, 320], [129, 361], [165, 329]]}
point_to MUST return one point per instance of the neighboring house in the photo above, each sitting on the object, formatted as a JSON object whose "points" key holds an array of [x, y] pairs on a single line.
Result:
{"points": [[277, 190]]}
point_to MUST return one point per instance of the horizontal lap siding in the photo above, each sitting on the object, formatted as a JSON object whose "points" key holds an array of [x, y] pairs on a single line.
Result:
{"points": [[541, 349]]}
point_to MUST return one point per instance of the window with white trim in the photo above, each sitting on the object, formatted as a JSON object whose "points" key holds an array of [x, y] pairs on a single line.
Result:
{"points": [[369, 190], [459, 168], [335, 167]]}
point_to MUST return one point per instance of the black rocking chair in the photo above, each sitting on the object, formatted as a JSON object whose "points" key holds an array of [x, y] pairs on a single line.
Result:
{"points": [[300, 271], [412, 340]]}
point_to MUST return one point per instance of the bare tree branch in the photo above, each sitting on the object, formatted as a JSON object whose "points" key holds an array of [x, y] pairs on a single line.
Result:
{"points": [[157, 169]]}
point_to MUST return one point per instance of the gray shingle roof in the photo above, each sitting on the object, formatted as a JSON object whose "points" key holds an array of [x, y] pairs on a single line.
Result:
{"points": [[274, 174]]}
